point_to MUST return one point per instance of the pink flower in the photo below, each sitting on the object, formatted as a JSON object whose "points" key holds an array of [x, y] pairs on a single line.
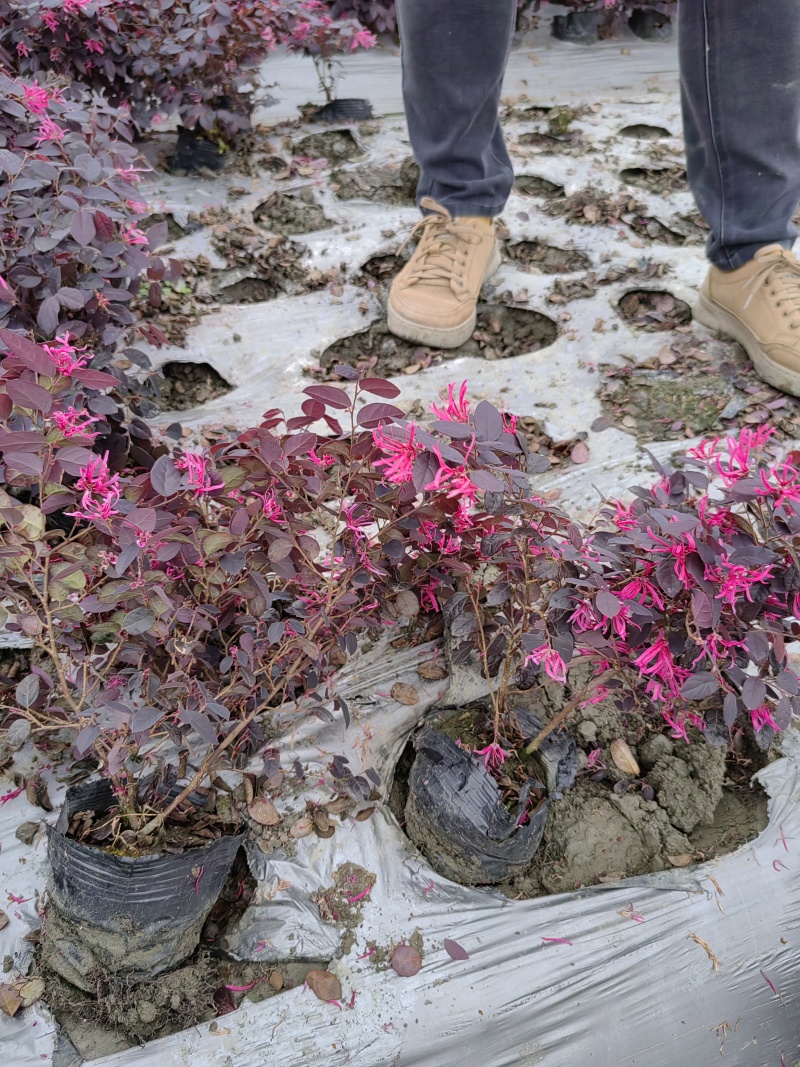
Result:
{"points": [[64, 355], [554, 666], [762, 717], [96, 46], [131, 235], [322, 461], [678, 727], [198, 476], [493, 756], [657, 664], [136, 206], [363, 39], [73, 7], [49, 131], [623, 517], [509, 422], [100, 490], [402, 451], [6, 292], [68, 424], [427, 597], [50, 19], [36, 98], [595, 760], [739, 581], [639, 589], [271, 509], [131, 174], [456, 410], [23, 49]]}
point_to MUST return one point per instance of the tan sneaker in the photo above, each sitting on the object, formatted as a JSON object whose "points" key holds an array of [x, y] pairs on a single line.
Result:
{"points": [[758, 305], [433, 300]]}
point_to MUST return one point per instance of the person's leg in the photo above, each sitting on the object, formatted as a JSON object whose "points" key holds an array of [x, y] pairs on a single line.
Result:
{"points": [[454, 57], [740, 78]]}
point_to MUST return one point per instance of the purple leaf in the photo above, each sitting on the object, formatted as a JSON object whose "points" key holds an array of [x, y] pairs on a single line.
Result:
{"points": [[700, 685], [29, 395], [330, 395], [200, 724], [754, 693], [487, 481], [138, 621], [48, 316], [24, 463], [165, 477], [454, 950], [607, 604], [33, 356], [380, 387], [488, 421], [145, 718], [95, 379], [730, 709], [667, 578], [72, 458], [22, 441], [374, 414], [85, 739]]}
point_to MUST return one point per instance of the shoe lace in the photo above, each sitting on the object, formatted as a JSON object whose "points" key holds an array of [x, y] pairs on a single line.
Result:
{"points": [[780, 269], [441, 258]]}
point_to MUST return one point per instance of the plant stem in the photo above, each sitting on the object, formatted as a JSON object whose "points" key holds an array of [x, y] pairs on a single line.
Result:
{"points": [[567, 710]]}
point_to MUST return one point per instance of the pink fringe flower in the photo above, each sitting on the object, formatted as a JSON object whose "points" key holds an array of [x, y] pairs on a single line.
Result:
{"points": [[401, 452], [456, 410], [493, 756]]}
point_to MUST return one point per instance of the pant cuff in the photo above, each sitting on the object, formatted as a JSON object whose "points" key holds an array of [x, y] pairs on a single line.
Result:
{"points": [[729, 259]]}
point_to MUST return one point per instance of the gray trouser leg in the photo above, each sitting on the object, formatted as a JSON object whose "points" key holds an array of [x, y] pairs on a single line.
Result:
{"points": [[454, 57], [740, 77]]}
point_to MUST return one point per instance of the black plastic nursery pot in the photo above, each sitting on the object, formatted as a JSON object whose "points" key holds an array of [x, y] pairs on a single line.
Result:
{"points": [[196, 152], [349, 109], [577, 26], [121, 916], [455, 814], [650, 25]]}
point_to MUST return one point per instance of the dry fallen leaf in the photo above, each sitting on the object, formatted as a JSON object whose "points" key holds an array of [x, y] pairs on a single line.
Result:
{"points": [[580, 453], [404, 693], [683, 860], [407, 603], [219, 1031], [324, 985], [364, 814], [322, 823], [276, 980], [623, 758], [301, 828], [264, 812], [31, 991], [10, 1000], [406, 961], [4, 920], [432, 672]]}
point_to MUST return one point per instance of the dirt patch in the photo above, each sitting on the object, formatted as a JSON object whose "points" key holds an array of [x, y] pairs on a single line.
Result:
{"points": [[534, 185], [186, 385], [547, 259], [383, 268], [396, 185], [284, 214], [174, 231], [641, 131], [501, 332], [590, 208], [334, 145], [661, 180], [15, 663], [343, 902], [693, 386], [654, 310]]}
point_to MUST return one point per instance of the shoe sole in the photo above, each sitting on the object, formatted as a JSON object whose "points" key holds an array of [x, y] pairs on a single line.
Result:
{"points": [[438, 337], [715, 317]]}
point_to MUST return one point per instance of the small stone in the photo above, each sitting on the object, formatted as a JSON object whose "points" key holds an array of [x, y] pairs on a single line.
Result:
{"points": [[655, 748], [147, 1011], [587, 731]]}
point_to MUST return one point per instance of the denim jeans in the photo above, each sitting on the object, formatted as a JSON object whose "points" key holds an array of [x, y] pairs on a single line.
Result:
{"points": [[740, 84]]}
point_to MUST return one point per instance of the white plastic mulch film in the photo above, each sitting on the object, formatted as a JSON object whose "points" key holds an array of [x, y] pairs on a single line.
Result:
{"points": [[692, 967]]}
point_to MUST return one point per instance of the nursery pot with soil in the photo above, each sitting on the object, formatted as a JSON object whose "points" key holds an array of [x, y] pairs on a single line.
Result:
{"points": [[195, 152], [347, 109], [455, 812], [117, 915]]}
